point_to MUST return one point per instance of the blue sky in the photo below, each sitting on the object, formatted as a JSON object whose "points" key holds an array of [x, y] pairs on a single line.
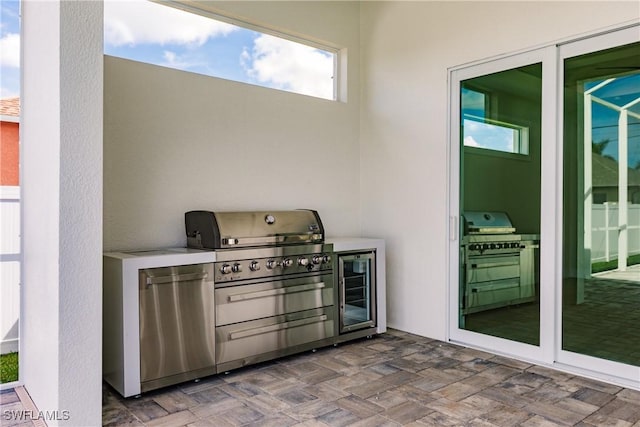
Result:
{"points": [[605, 120], [485, 135], [9, 48]]}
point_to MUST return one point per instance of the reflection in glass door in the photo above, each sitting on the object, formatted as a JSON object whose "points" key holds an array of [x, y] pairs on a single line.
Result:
{"points": [[500, 204], [601, 224], [545, 152]]}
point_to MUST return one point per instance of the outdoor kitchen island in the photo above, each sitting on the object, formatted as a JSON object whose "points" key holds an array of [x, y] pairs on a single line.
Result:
{"points": [[161, 320]]}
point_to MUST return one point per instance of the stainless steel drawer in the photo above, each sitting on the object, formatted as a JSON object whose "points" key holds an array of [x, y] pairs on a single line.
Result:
{"points": [[491, 268], [276, 336], [256, 301], [492, 293]]}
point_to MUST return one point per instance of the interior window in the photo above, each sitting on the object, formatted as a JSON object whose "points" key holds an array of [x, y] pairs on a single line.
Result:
{"points": [[479, 130], [495, 135]]}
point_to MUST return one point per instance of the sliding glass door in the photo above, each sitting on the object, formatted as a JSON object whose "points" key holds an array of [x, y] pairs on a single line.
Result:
{"points": [[545, 205], [601, 205], [499, 146]]}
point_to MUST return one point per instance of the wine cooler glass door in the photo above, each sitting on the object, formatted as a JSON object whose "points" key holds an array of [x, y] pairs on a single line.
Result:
{"points": [[357, 291]]}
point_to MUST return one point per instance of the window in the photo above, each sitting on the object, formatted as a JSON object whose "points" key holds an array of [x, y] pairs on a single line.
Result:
{"points": [[158, 34], [474, 102], [495, 135], [484, 124]]}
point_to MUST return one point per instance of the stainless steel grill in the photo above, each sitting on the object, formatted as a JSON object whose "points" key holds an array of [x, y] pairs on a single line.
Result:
{"points": [[273, 279], [499, 266], [488, 223]]}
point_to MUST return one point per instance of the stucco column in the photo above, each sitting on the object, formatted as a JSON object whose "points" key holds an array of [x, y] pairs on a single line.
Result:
{"points": [[61, 180]]}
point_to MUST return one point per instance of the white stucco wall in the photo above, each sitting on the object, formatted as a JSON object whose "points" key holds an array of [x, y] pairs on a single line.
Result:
{"points": [[177, 141], [61, 180], [407, 49]]}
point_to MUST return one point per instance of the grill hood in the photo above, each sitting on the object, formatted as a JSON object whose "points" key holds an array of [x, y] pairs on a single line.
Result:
{"points": [[225, 230], [487, 223]]}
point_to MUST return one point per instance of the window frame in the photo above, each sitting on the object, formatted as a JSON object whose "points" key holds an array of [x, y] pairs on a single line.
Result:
{"points": [[209, 12], [520, 141]]}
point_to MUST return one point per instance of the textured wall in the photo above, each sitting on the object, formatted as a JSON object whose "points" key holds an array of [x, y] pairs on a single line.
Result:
{"points": [[62, 209], [176, 141]]}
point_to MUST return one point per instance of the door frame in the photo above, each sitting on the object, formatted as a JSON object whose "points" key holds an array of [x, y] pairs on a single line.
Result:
{"points": [[544, 55], [550, 352], [620, 373]]}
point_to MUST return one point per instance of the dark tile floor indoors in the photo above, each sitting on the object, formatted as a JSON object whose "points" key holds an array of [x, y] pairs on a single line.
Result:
{"points": [[389, 380], [604, 325]]}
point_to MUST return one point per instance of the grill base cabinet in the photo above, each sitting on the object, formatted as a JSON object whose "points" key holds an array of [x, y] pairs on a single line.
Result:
{"points": [[158, 326], [260, 317], [169, 318], [177, 333]]}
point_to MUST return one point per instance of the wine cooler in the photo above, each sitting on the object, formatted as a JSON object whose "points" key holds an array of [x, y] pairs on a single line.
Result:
{"points": [[357, 293]]}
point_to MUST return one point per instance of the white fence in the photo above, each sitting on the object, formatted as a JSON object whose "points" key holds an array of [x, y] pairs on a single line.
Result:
{"points": [[9, 268], [604, 236]]}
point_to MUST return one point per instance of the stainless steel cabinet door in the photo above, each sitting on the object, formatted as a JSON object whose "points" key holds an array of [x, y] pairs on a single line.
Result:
{"points": [[177, 331]]}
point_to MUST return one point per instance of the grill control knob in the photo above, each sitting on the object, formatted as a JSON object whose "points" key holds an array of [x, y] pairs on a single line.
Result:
{"points": [[271, 264], [254, 266], [287, 262], [317, 259], [485, 246], [326, 259], [303, 261], [237, 268], [225, 269]]}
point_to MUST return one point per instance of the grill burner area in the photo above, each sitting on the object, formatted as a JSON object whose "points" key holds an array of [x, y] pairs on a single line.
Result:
{"points": [[493, 244], [264, 263]]}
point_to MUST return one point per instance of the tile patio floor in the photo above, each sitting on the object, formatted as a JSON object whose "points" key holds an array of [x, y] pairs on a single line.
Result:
{"points": [[390, 380]]}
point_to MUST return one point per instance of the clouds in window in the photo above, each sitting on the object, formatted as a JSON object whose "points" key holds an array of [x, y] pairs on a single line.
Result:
{"points": [[10, 48], [149, 32], [144, 22], [287, 65]]}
